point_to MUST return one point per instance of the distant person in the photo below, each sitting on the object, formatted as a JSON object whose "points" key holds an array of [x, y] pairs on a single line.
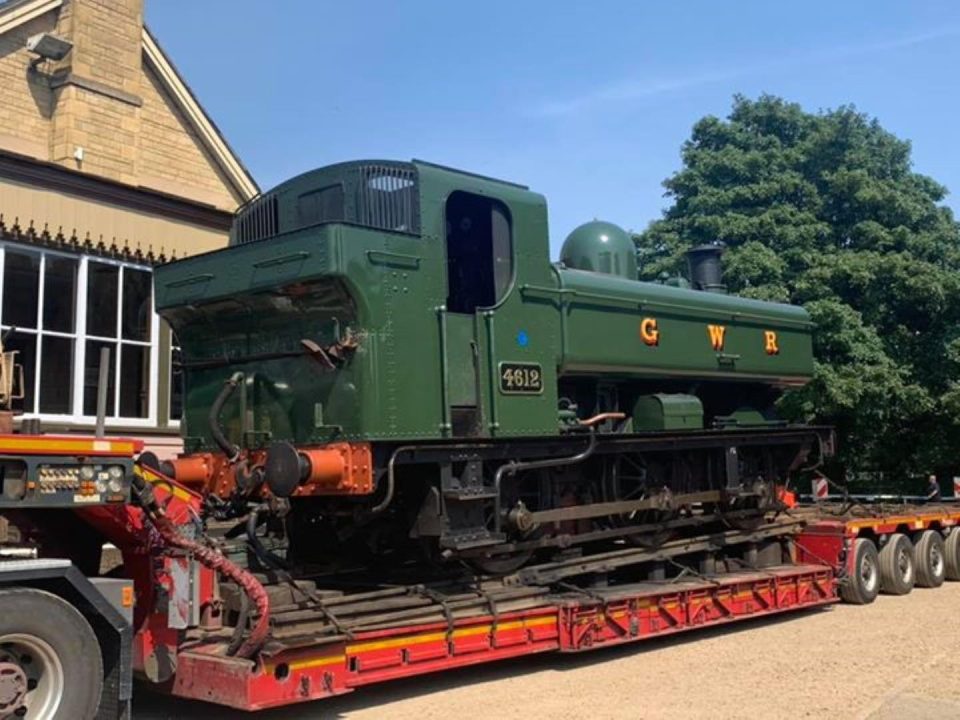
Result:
{"points": [[933, 489]]}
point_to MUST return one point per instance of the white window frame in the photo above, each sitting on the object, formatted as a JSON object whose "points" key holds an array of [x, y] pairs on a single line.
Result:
{"points": [[172, 422], [80, 338]]}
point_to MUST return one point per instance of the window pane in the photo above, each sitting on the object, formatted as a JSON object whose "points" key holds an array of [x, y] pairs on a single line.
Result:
{"points": [[102, 285], [56, 374], [21, 288], [134, 381], [26, 345], [502, 250], [176, 384], [59, 294], [136, 304], [91, 376]]}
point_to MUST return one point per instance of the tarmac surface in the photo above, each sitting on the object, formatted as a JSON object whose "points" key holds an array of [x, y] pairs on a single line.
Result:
{"points": [[895, 659]]}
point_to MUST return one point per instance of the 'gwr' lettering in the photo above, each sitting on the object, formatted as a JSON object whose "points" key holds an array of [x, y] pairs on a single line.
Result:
{"points": [[716, 333], [770, 342], [649, 332]]}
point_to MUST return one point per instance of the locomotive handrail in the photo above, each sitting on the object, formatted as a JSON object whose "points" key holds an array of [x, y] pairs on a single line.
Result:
{"points": [[391, 258], [513, 466]]}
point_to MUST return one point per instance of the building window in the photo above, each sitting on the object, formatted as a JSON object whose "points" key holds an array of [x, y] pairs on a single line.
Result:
{"points": [[60, 312]]}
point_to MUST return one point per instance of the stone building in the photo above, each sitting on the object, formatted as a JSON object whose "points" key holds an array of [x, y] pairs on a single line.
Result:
{"points": [[108, 166]]}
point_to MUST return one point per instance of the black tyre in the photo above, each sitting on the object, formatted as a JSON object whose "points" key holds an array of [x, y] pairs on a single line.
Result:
{"points": [[951, 554], [862, 585], [928, 553], [897, 567], [50, 661]]}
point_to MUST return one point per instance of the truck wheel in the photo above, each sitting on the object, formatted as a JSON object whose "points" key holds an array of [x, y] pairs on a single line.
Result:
{"points": [[897, 574], [951, 554], [928, 552], [50, 663], [862, 585]]}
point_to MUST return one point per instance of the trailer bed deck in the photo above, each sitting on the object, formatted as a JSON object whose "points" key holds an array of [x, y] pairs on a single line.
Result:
{"points": [[572, 620]]}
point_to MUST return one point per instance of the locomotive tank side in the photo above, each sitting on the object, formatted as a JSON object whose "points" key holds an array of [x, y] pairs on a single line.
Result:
{"points": [[613, 325]]}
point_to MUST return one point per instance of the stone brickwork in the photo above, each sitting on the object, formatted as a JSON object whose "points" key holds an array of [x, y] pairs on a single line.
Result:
{"points": [[25, 98], [103, 110], [170, 153]]}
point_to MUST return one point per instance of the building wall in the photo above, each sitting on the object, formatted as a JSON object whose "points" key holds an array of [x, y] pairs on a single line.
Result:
{"points": [[25, 99], [107, 167], [106, 101], [171, 155]]}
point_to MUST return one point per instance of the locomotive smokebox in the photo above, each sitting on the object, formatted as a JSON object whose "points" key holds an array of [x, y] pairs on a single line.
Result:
{"points": [[705, 268]]}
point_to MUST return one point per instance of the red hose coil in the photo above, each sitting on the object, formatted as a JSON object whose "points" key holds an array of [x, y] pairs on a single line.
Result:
{"points": [[218, 562]]}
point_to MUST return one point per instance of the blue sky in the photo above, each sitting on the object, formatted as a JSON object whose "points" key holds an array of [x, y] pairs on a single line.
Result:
{"points": [[587, 103]]}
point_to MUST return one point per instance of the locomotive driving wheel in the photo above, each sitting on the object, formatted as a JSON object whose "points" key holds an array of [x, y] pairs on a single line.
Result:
{"points": [[749, 511], [517, 494], [501, 563], [628, 479]]}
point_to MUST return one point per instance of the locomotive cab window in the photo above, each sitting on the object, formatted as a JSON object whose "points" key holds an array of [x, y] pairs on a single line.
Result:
{"points": [[479, 252]]}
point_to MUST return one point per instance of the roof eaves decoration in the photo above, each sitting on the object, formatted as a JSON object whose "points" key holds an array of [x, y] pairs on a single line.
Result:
{"points": [[16, 13], [73, 242]]}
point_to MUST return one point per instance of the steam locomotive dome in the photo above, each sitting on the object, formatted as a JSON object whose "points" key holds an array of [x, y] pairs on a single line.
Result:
{"points": [[601, 247]]}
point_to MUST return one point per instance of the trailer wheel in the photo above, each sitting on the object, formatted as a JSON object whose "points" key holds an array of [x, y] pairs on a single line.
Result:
{"points": [[50, 663], [951, 554], [931, 568], [897, 570], [862, 585]]}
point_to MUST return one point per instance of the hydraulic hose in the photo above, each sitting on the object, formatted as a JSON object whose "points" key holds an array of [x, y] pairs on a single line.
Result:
{"points": [[232, 451], [214, 560], [218, 562]]}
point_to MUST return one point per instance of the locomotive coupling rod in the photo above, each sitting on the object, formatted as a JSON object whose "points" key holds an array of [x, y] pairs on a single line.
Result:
{"points": [[623, 507]]}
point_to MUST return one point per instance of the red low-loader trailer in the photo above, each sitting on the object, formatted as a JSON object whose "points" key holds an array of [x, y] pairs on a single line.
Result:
{"points": [[322, 641], [205, 628], [568, 622], [892, 547]]}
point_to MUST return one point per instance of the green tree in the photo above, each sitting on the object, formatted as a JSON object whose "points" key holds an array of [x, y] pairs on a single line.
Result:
{"points": [[824, 210]]}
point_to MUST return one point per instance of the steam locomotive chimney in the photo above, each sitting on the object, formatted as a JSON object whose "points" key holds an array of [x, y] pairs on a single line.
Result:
{"points": [[705, 268]]}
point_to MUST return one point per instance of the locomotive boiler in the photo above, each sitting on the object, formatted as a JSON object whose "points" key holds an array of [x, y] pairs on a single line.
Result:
{"points": [[384, 358]]}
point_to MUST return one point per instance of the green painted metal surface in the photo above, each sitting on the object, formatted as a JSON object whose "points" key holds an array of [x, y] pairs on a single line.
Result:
{"points": [[356, 254], [662, 411], [601, 247]]}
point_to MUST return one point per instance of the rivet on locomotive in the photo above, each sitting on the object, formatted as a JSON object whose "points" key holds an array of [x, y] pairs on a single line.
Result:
{"points": [[386, 362]]}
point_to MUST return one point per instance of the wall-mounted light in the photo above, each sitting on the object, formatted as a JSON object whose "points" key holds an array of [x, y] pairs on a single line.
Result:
{"points": [[47, 46]]}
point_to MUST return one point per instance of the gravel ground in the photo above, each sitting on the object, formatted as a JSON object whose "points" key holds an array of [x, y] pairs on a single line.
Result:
{"points": [[896, 659]]}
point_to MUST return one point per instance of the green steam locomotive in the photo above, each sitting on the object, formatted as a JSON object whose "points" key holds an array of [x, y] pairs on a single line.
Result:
{"points": [[386, 353]]}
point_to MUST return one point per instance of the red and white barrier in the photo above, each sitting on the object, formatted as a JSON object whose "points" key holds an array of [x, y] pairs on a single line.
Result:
{"points": [[821, 488]]}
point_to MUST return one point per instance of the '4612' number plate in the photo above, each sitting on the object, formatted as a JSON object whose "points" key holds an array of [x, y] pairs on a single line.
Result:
{"points": [[521, 378]]}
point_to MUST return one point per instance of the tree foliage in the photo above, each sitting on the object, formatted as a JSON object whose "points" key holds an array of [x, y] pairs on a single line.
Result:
{"points": [[825, 210]]}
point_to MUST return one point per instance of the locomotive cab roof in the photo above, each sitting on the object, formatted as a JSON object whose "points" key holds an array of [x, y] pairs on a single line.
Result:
{"points": [[378, 194]]}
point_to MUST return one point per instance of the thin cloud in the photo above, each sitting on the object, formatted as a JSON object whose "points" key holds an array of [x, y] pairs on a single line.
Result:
{"points": [[630, 90]]}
